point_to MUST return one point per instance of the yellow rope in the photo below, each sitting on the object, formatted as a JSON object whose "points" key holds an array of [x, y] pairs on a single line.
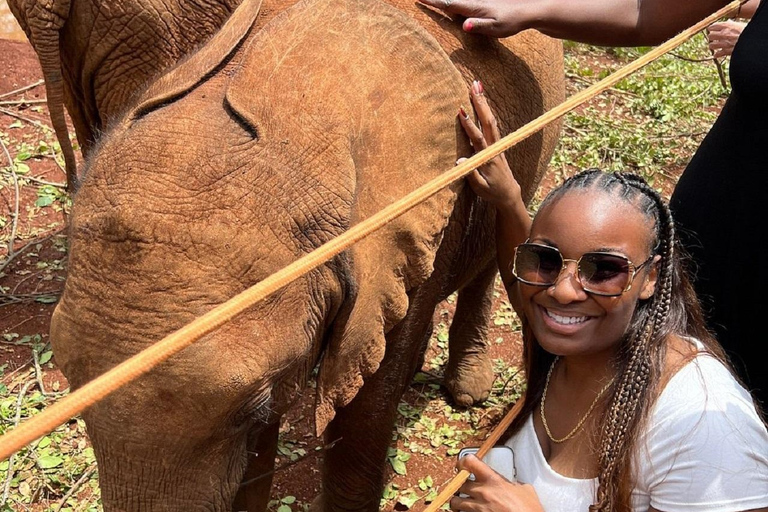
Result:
{"points": [[79, 400]]}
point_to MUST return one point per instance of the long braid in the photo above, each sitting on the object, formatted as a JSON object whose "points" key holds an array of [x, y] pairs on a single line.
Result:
{"points": [[638, 379]]}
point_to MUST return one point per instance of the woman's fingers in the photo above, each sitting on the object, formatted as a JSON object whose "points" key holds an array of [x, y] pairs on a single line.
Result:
{"points": [[473, 132], [488, 123], [460, 7]]}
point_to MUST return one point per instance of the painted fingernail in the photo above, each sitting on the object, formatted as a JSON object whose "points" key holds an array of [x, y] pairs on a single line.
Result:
{"points": [[468, 26], [463, 113], [477, 87]]}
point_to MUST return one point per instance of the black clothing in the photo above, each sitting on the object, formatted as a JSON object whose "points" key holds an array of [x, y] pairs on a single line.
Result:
{"points": [[720, 206]]}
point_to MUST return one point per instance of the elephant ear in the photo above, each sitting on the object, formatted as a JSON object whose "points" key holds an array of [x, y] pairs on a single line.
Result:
{"points": [[361, 81], [185, 76]]}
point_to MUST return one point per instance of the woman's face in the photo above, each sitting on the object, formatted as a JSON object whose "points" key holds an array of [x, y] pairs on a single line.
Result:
{"points": [[565, 319]]}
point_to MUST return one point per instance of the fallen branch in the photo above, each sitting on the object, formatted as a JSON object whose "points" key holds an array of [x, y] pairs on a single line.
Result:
{"points": [[22, 101], [22, 89], [292, 463], [610, 89], [8, 298], [27, 246], [25, 119], [16, 421], [14, 226], [72, 490]]}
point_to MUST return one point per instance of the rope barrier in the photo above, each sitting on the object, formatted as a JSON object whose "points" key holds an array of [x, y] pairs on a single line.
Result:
{"points": [[139, 364]]}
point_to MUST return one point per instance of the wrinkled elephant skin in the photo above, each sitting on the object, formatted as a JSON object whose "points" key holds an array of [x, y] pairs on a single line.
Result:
{"points": [[96, 55], [256, 150]]}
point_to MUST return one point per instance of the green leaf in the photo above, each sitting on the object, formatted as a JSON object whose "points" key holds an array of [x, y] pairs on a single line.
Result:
{"points": [[49, 461], [284, 508], [46, 356], [408, 500], [288, 500], [15, 124], [47, 299], [398, 466], [44, 201]]}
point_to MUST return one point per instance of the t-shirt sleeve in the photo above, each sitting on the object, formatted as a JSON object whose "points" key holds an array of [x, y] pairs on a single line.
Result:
{"points": [[706, 448]]}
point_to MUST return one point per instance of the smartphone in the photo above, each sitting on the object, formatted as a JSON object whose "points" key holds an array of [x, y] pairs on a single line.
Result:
{"points": [[500, 458]]}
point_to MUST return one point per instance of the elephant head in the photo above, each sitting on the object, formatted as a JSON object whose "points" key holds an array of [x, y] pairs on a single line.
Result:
{"points": [[256, 150], [96, 55]]}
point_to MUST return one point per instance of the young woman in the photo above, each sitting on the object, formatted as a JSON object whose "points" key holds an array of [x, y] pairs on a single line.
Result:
{"points": [[631, 404], [719, 202]]}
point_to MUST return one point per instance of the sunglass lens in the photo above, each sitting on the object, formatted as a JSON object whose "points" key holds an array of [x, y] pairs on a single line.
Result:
{"points": [[537, 264], [604, 273]]}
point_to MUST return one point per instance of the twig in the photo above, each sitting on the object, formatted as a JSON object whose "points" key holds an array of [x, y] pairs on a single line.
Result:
{"points": [[14, 226], [22, 89], [27, 246], [718, 65], [611, 89], [690, 59], [22, 101], [26, 119], [16, 420], [43, 182], [8, 298], [291, 463], [39, 377], [72, 490]]}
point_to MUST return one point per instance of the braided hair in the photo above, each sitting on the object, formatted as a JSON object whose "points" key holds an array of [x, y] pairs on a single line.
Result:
{"points": [[673, 309]]}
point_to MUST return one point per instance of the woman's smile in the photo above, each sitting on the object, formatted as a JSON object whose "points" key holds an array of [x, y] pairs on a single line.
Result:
{"points": [[562, 321]]}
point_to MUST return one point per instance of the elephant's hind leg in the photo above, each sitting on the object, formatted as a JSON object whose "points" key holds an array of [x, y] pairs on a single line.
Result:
{"points": [[254, 492], [469, 372]]}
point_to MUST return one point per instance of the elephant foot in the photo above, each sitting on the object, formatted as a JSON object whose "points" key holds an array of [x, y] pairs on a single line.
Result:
{"points": [[469, 378]]}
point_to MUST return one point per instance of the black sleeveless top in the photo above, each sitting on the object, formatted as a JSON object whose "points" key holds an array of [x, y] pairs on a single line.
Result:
{"points": [[720, 206]]}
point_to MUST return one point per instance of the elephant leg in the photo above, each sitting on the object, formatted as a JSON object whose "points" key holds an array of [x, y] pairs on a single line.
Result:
{"points": [[254, 492], [361, 433], [469, 372]]}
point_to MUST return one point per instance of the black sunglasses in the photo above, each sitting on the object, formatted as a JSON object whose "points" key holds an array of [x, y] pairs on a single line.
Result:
{"points": [[599, 273]]}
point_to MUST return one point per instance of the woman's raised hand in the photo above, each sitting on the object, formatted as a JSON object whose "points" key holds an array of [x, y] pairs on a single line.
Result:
{"points": [[495, 18], [494, 181], [491, 492]]}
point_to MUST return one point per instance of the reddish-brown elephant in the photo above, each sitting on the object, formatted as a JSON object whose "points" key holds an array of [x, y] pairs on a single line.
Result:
{"points": [[282, 132]]}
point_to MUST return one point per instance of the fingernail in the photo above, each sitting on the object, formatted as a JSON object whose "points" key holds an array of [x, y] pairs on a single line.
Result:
{"points": [[477, 87], [468, 26], [463, 113]]}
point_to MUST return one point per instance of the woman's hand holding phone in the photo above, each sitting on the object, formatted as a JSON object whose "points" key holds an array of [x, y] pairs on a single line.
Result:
{"points": [[491, 492]]}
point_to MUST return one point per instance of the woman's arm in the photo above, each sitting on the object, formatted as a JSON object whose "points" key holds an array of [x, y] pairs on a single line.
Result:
{"points": [[495, 183], [748, 9], [602, 22]]}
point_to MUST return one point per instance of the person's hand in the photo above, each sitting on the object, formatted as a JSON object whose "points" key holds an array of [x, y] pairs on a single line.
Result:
{"points": [[723, 37], [494, 181], [491, 492], [495, 18]]}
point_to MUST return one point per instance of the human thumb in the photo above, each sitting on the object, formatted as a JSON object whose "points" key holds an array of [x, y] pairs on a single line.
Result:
{"points": [[477, 467]]}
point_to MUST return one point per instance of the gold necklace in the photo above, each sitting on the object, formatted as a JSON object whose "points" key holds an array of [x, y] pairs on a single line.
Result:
{"points": [[583, 419]]}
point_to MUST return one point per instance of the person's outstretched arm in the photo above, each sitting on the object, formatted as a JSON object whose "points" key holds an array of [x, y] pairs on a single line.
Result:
{"points": [[600, 22], [748, 9]]}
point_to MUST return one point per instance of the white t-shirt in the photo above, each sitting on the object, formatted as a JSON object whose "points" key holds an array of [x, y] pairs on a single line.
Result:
{"points": [[705, 450]]}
